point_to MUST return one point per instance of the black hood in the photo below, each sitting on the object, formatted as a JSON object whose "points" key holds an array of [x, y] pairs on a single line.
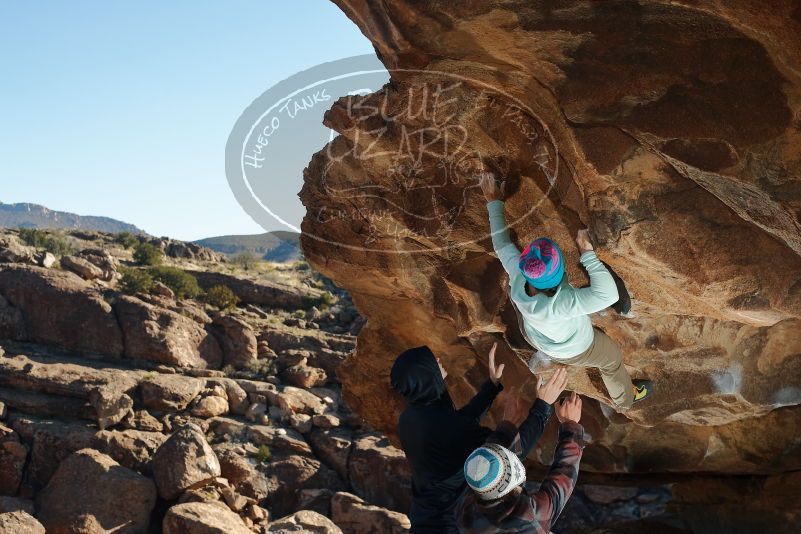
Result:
{"points": [[416, 376]]}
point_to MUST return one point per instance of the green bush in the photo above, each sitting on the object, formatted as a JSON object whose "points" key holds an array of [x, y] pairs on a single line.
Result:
{"points": [[183, 284], [245, 259], [222, 297], [126, 239], [326, 300], [135, 281], [264, 454], [147, 254], [55, 244]]}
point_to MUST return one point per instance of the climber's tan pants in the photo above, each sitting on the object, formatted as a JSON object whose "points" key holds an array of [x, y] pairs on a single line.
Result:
{"points": [[605, 355]]}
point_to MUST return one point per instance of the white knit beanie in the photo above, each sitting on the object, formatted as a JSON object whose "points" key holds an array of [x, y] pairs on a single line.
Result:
{"points": [[493, 471]]}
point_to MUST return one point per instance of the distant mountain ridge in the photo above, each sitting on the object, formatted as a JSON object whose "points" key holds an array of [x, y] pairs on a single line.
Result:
{"points": [[27, 215], [278, 246]]}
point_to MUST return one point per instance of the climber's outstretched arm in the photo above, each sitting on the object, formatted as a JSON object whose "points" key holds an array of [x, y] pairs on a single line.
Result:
{"points": [[602, 291], [507, 252]]}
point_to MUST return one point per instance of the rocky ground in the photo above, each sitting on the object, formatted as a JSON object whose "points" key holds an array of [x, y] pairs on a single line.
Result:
{"points": [[137, 413]]}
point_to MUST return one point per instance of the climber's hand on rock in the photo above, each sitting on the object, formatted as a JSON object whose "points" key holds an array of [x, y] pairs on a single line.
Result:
{"points": [[495, 372], [490, 187], [569, 409], [549, 391], [583, 241], [513, 410]]}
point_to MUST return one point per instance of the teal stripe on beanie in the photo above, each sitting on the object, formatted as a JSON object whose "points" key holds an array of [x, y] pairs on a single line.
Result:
{"points": [[542, 263]]}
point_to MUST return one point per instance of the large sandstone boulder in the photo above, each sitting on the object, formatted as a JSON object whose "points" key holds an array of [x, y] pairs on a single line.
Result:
{"points": [[82, 267], [607, 115], [184, 460], [164, 336], [90, 487], [286, 476], [260, 292], [203, 518], [380, 473], [62, 309], [237, 339], [20, 523], [333, 447], [12, 323], [171, 393], [355, 516], [111, 404], [103, 260], [12, 251]]}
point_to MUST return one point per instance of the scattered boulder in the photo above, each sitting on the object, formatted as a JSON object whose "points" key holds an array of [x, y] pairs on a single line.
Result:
{"points": [[237, 339], [243, 475], [210, 406], [203, 518], [89, 483], [301, 422], [160, 335], [357, 517], [333, 448], [111, 404], [303, 376], [380, 473], [303, 522], [103, 260], [45, 259], [237, 397], [295, 400], [60, 308], [12, 251], [170, 393], [13, 454], [184, 460], [20, 523], [326, 420], [81, 267], [262, 292], [162, 290], [316, 499], [286, 476]]}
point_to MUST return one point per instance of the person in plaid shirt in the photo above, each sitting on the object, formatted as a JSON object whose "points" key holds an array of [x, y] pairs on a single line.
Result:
{"points": [[496, 500]]}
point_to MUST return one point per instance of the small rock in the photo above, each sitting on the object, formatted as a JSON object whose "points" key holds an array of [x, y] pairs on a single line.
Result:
{"points": [[203, 518], [358, 517], [304, 521], [301, 422], [211, 406], [45, 259], [325, 421], [256, 411], [304, 376], [111, 405], [20, 523], [162, 290], [234, 500]]}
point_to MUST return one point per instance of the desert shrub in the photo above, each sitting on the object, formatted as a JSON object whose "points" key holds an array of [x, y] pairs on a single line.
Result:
{"points": [[245, 260], [54, 243], [135, 281], [300, 314], [183, 284], [147, 254], [222, 297], [126, 239], [262, 368], [264, 454], [326, 300]]}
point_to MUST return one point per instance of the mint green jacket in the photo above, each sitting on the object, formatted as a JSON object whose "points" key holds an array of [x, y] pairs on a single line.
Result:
{"points": [[560, 325]]}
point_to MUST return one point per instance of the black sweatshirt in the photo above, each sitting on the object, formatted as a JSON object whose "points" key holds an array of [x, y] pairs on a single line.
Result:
{"points": [[437, 438]]}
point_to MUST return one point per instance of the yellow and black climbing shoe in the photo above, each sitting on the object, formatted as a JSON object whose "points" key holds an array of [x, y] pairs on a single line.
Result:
{"points": [[642, 389]]}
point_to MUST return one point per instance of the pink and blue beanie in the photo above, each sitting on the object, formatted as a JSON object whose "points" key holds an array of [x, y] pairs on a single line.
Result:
{"points": [[542, 263]]}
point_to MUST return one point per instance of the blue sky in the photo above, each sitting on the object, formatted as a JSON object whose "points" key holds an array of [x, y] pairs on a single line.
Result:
{"points": [[123, 109]]}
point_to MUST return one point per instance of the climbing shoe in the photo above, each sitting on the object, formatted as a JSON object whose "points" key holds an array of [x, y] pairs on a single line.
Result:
{"points": [[642, 389]]}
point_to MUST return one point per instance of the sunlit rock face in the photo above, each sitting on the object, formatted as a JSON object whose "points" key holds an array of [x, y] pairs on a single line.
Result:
{"points": [[671, 130]]}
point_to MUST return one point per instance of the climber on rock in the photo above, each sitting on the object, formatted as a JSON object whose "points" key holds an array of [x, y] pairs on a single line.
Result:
{"points": [[437, 437], [554, 316], [498, 500]]}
